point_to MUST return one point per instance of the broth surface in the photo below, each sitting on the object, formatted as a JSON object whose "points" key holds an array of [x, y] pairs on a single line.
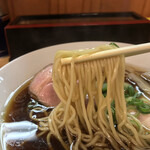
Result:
{"points": [[18, 111]]}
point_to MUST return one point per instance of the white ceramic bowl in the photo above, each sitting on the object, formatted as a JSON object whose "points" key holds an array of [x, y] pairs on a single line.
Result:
{"points": [[19, 70]]}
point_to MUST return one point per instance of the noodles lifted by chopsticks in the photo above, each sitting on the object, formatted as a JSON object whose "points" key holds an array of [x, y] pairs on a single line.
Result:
{"points": [[84, 113]]}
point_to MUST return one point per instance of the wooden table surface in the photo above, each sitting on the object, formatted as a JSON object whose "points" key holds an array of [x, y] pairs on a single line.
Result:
{"points": [[4, 60]]}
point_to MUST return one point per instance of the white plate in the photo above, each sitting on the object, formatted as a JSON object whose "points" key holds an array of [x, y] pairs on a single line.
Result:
{"points": [[18, 71]]}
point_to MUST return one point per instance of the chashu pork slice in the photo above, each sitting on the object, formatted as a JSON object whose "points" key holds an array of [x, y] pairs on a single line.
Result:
{"points": [[41, 87]]}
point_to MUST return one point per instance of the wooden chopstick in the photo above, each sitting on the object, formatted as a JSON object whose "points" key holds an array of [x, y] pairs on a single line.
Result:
{"points": [[127, 51]]}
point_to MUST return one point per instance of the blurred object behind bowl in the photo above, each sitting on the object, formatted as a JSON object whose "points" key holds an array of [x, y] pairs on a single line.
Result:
{"points": [[28, 33]]}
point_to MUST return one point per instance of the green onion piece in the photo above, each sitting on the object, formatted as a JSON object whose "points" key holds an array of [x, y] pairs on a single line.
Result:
{"points": [[135, 101], [139, 104], [131, 90], [128, 90], [114, 44], [113, 112], [104, 89], [113, 104], [145, 100], [135, 124], [144, 108], [105, 94], [114, 115], [128, 100]]}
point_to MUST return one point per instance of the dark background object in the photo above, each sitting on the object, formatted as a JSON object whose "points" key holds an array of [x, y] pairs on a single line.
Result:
{"points": [[3, 47], [28, 33]]}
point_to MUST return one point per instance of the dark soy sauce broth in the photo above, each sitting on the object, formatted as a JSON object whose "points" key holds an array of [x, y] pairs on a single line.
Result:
{"points": [[16, 111]]}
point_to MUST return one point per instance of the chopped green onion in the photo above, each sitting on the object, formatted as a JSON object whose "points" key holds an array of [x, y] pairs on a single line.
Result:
{"points": [[113, 112], [132, 99], [128, 100], [129, 90], [114, 115], [135, 124], [114, 44], [104, 94], [135, 102], [144, 108], [113, 104], [104, 89], [140, 105]]}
